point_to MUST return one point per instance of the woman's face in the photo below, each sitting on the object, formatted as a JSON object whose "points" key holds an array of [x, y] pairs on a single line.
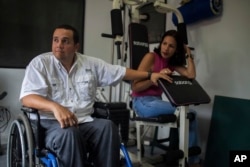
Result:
{"points": [[168, 47]]}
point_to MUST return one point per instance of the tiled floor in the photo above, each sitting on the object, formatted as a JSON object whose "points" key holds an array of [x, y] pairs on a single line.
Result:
{"points": [[3, 156], [148, 160]]}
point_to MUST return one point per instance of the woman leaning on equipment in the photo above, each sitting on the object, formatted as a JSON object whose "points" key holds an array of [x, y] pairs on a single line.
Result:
{"points": [[171, 55]]}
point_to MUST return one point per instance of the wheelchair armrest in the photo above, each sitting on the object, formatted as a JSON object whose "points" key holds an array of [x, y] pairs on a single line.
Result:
{"points": [[117, 112], [102, 110], [29, 110], [114, 105], [101, 113], [37, 134]]}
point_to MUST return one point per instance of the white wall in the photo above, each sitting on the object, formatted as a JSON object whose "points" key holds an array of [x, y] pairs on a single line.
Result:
{"points": [[221, 54], [98, 21], [10, 82]]}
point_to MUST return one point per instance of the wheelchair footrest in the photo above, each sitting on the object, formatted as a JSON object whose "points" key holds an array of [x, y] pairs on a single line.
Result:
{"points": [[159, 119]]}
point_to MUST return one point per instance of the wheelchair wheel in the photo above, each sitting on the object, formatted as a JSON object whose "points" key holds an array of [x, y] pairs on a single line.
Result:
{"points": [[20, 148]]}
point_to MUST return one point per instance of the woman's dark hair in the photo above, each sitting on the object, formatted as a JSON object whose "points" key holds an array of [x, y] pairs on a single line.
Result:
{"points": [[69, 27], [178, 59]]}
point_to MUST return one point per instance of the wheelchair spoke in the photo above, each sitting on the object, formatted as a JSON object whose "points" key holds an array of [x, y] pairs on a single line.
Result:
{"points": [[15, 151]]}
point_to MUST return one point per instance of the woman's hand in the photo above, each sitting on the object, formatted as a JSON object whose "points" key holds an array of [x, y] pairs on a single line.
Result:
{"points": [[187, 49]]}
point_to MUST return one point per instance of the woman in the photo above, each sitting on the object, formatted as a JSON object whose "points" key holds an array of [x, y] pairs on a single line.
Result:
{"points": [[171, 55]]}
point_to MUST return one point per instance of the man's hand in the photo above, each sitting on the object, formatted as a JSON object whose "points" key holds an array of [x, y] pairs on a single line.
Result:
{"points": [[64, 116], [155, 76], [166, 71]]}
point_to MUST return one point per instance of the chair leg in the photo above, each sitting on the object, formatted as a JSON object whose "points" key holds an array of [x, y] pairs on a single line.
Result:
{"points": [[184, 128], [154, 140], [174, 139], [138, 137]]}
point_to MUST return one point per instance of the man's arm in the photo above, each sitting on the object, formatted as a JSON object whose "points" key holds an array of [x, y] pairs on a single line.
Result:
{"points": [[62, 114], [137, 75]]}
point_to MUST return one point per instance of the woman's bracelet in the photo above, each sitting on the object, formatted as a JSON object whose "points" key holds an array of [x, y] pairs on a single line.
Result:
{"points": [[149, 75]]}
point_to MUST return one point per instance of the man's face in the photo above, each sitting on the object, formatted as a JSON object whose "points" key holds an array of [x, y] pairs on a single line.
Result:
{"points": [[63, 46]]}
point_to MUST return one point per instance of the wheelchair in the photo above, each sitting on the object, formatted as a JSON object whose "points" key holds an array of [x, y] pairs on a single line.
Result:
{"points": [[25, 144]]}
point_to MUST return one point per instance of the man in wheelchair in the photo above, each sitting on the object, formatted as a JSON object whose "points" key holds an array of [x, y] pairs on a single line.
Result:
{"points": [[62, 85]]}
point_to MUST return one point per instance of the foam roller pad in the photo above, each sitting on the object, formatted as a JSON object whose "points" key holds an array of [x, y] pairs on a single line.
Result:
{"points": [[197, 10], [116, 22]]}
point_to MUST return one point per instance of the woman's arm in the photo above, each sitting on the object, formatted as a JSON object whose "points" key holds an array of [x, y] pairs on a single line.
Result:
{"points": [[189, 70]]}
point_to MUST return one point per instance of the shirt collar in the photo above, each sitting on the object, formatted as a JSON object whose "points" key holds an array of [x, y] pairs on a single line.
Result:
{"points": [[59, 64]]}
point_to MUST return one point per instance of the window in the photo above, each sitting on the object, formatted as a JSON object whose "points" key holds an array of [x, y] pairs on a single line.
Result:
{"points": [[27, 25]]}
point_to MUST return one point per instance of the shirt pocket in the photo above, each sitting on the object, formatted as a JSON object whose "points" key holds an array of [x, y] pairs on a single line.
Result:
{"points": [[85, 85], [56, 86]]}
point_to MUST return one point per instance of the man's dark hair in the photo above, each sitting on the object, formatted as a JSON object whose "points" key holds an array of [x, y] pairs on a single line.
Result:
{"points": [[69, 27]]}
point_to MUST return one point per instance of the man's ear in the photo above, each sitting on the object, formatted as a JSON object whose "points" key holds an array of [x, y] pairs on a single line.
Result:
{"points": [[77, 46]]}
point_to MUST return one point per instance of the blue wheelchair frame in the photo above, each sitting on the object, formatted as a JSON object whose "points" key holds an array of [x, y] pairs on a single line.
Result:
{"points": [[50, 160]]}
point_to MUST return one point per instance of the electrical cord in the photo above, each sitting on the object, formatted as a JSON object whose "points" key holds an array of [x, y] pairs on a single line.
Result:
{"points": [[5, 116]]}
